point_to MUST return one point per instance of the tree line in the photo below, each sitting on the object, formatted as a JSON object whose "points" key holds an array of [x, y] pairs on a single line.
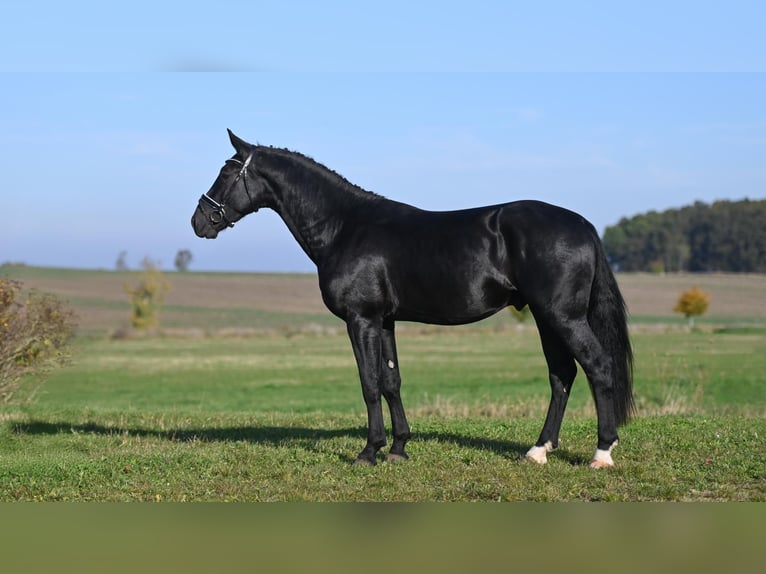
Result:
{"points": [[722, 236]]}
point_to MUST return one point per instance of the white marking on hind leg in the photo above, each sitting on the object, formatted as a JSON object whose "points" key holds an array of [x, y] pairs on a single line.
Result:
{"points": [[538, 454], [603, 458], [391, 364]]}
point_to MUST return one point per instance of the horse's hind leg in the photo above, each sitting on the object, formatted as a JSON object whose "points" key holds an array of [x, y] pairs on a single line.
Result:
{"points": [[561, 372], [597, 365], [390, 383]]}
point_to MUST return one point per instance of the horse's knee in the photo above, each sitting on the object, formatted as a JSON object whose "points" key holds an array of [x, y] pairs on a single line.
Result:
{"points": [[390, 385]]}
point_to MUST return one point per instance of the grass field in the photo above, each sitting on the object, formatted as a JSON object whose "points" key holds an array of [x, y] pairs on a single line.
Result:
{"points": [[194, 414]]}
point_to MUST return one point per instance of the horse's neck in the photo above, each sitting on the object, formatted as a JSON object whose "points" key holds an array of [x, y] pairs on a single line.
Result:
{"points": [[313, 202]]}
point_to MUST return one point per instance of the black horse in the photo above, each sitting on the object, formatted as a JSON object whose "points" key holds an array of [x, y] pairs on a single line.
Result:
{"points": [[380, 261]]}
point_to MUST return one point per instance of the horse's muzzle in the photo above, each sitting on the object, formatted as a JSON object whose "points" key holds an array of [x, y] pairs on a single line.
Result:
{"points": [[202, 227]]}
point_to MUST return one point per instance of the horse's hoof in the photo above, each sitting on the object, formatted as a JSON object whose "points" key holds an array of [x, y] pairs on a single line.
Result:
{"points": [[537, 459], [603, 458], [538, 454], [364, 462], [393, 457]]}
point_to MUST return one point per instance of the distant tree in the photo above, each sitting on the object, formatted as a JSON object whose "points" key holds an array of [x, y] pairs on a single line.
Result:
{"points": [[723, 236], [120, 265], [692, 303], [183, 259], [146, 297], [35, 332]]}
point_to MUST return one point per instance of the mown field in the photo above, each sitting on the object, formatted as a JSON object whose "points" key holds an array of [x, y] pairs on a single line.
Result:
{"points": [[250, 393]]}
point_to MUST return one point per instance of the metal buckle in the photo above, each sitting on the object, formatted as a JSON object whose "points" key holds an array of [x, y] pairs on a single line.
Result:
{"points": [[218, 214]]}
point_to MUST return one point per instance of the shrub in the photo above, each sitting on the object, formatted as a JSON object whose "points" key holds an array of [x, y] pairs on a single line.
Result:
{"points": [[521, 315], [147, 296], [35, 333], [692, 303]]}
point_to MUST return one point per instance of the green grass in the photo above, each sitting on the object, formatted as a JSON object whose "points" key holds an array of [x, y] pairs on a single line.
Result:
{"points": [[307, 457], [186, 316], [281, 418]]}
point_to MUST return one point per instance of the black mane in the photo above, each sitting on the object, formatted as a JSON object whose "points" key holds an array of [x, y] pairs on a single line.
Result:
{"points": [[303, 163]]}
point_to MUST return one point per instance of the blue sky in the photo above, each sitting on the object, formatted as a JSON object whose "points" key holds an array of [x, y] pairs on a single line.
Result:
{"points": [[112, 122]]}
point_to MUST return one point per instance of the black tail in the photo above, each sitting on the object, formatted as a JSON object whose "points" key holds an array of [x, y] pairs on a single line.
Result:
{"points": [[608, 318]]}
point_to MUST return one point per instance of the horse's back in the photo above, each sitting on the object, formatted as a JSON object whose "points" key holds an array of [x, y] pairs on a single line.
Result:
{"points": [[453, 266], [434, 267], [545, 221]]}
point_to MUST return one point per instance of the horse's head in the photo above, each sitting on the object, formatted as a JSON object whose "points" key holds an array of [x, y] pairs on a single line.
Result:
{"points": [[237, 191]]}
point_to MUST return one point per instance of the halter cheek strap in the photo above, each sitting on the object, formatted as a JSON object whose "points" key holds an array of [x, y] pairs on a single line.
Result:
{"points": [[218, 213]]}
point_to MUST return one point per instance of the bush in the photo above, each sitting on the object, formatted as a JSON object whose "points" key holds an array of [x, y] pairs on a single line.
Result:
{"points": [[692, 303], [147, 296], [35, 333], [521, 315]]}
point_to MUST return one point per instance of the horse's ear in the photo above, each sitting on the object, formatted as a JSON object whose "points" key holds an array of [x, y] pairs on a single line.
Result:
{"points": [[238, 143]]}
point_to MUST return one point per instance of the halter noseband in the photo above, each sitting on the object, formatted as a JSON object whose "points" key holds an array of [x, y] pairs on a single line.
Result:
{"points": [[218, 213]]}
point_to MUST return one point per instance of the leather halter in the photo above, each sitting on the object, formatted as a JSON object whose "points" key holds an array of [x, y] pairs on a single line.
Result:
{"points": [[217, 214]]}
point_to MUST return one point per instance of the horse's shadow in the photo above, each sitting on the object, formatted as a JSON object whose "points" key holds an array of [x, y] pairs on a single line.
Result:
{"points": [[280, 435]]}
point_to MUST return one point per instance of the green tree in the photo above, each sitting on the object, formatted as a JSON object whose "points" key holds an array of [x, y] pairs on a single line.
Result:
{"points": [[723, 236]]}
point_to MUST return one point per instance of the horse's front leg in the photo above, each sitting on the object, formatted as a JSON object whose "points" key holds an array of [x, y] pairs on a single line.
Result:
{"points": [[391, 383], [365, 335]]}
